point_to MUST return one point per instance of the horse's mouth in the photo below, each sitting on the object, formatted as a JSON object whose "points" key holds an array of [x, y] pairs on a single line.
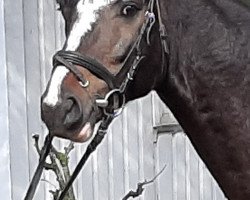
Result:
{"points": [[84, 134], [85, 131]]}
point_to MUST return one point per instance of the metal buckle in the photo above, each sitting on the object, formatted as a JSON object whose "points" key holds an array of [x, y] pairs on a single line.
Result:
{"points": [[116, 107], [84, 85]]}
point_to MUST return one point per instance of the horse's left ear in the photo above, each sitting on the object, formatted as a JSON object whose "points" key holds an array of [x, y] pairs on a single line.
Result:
{"points": [[67, 2], [60, 3]]}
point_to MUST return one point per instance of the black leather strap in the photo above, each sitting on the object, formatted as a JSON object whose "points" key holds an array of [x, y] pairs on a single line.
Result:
{"points": [[37, 175], [84, 61]]}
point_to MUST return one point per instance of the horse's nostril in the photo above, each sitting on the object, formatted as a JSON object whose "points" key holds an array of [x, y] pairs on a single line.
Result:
{"points": [[73, 112], [69, 104], [66, 114]]}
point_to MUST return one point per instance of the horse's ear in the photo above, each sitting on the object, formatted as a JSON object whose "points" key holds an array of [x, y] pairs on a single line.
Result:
{"points": [[66, 3], [69, 3], [60, 3]]}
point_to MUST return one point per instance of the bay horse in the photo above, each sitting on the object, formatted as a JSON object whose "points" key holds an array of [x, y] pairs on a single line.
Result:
{"points": [[194, 53]]}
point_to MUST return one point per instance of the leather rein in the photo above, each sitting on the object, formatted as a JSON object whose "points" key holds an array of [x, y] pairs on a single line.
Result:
{"points": [[113, 103]]}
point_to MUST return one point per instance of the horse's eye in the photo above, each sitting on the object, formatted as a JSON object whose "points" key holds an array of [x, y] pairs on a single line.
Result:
{"points": [[129, 11]]}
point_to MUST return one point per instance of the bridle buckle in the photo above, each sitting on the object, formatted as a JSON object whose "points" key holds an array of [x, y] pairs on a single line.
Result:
{"points": [[112, 103]]}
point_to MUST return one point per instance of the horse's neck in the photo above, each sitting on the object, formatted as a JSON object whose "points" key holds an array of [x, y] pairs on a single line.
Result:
{"points": [[208, 87]]}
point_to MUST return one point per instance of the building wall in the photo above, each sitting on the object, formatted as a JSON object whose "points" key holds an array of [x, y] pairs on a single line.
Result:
{"points": [[5, 191], [139, 142]]}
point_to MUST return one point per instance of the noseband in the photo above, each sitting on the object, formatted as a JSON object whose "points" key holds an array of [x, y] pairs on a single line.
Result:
{"points": [[71, 59]]}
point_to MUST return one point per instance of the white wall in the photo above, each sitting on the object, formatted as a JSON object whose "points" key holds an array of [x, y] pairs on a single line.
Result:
{"points": [[5, 190]]}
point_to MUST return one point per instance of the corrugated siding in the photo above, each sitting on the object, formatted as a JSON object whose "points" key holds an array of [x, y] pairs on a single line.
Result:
{"points": [[30, 33], [5, 190], [186, 176]]}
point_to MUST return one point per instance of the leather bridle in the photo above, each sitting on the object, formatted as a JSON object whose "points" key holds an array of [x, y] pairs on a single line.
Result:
{"points": [[114, 101]]}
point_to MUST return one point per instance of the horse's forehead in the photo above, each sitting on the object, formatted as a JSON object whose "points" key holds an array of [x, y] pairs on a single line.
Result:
{"points": [[86, 15], [96, 4]]}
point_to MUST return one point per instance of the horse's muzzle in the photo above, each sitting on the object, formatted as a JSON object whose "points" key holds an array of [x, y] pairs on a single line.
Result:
{"points": [[66, 115]]}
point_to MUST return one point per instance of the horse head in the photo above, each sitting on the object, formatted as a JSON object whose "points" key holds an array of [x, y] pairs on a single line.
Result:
{"points": [[105, 44]]}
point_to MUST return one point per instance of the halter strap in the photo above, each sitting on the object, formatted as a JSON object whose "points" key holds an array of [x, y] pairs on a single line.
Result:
{"points": [[162, 29]]}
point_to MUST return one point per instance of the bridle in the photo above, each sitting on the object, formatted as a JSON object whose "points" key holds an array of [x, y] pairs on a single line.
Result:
{"points": [[114, 100]]}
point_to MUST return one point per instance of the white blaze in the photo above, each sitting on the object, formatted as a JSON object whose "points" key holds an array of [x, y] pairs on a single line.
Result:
{"points": [[54, 90], [86, 15]]}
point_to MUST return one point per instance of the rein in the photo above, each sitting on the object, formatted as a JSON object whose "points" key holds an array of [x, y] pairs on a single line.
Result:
{"points": [[36, 177], [113, 103]]}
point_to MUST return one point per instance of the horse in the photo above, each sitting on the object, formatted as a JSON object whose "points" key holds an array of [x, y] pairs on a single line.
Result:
{"points": [[194, 53]]}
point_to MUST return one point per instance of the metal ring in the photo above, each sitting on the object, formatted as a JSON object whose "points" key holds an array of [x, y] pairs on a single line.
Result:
{"points": [[84, 85]]}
